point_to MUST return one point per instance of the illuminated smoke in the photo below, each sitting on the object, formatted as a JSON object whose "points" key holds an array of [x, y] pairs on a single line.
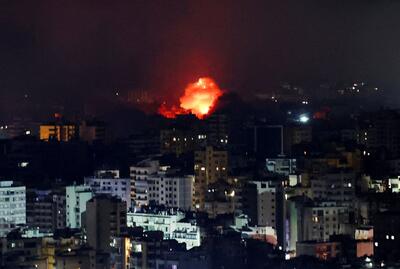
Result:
{"points": [[199, 99], [170, 113]]}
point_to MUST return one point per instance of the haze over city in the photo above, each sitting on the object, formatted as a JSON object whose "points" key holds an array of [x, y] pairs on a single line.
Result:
{"points": [[75, 52]]}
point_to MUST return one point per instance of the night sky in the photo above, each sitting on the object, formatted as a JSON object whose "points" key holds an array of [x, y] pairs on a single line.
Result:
{"points": [[75, 50]]}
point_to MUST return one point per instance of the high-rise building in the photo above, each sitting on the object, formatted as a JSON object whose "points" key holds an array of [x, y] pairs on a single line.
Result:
{"points": [[180, 141], [170, 222], [381, 133], [139, 174], [338, 187], [27, 252], [217, 129], [76, 198], [264, 203], [58, 131], [171, 188], [221, 198], [310, 221], [45, 210], [12, 206], [291, 220], [59, 206], [162, 185], [40, 210], [320, 221], [118, 187], [210, 166], [105, 217], [249, 199]]}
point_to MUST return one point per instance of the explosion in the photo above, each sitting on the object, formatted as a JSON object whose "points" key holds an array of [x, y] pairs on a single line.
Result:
{"points": [[199, 99]]}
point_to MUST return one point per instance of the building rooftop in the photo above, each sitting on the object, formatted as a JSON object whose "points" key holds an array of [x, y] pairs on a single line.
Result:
{"points": [[159, 210], [9, 183]]}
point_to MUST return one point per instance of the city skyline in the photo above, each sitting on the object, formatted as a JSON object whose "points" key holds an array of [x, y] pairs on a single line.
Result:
{"points": [[199, 134]]}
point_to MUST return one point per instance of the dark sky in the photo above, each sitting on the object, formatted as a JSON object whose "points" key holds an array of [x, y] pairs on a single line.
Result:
{"points": [[75, 50]]}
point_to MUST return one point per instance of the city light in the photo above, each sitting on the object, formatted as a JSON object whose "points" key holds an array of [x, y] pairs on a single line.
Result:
{"points": [[304, 118]]}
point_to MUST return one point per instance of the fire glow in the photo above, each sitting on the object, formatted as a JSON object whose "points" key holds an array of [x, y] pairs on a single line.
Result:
{"points": [[199, 99]]}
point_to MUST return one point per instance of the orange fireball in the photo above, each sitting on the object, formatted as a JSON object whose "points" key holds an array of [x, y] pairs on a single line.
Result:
{"points": [[199, 99]]}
